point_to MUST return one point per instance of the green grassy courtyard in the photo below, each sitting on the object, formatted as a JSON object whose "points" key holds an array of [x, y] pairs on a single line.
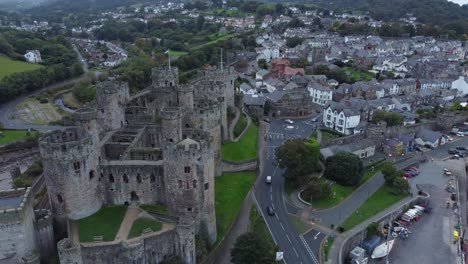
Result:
{"points": [[377, 202], [230, 192], [10, 136], [140, 224], [240, 126], [153, 208], [9, 66], [106, 223], [244, 149]]}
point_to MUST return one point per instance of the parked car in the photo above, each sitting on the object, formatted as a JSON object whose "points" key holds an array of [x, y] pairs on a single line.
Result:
{"points": [[270, 210], [429, 146], [406, 175], [314, 119], [452, 151], [412, 173], [461, 148], [416, 169], [289, 121], [268, 179], [460, 134], [266, 120], [289, 127], [413, 170], [449, 138]]}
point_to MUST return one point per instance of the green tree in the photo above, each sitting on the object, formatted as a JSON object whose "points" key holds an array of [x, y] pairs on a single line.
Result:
{"points": [[294, 41], [262, 63], [345, 168], [392, 119], [299, 158], [400, 185], [317, 189], [250, 249]]}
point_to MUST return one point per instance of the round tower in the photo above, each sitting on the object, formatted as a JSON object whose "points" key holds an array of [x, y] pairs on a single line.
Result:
{"points": [[70, 160], [111, 98], [185, 97], [171, 124], [69, 252], [189, 178]]}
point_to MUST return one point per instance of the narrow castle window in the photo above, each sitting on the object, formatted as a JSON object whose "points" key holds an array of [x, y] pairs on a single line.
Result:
{"points": [[189, 209], [111, 178], [59, 198], [91, 174], [138, 178], [180, 184], [194, 183], [125, 178], [207, 185], [152, 178], [76, 166], [187, 169]]}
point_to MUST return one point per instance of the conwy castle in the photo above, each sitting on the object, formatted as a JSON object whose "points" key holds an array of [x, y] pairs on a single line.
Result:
{"points": [[160, 147]]}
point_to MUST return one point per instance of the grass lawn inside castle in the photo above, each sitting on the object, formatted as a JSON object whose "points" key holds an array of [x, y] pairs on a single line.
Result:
{"points": [[141, 224], [106, 223]]}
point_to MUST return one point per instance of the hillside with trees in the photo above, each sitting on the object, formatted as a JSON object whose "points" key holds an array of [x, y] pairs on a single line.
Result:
{"points": [[442, 14], [58, 57]]}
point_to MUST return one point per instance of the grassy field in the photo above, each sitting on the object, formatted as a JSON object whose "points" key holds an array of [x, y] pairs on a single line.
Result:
{"points": [[240, 126], [326, 247], [377, 202], [357, 76], [244, 149], [230, 191], [342, 192], [9, 66], [9, 136], [105, 223], [141, 224], [152, 208], [259, 228], [175, 53], [221, 38]]}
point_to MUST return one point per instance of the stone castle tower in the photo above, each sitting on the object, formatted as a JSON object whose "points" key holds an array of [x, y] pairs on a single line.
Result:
{"points": [[161, 146]]}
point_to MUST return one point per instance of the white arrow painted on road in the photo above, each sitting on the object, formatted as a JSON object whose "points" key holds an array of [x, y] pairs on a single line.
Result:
{"points": [[315, 237]]}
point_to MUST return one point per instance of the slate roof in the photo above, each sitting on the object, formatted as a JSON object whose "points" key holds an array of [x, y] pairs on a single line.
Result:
{"points": [[428, 135]]}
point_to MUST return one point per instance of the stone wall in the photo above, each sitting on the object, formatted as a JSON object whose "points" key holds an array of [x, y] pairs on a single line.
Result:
{"points": [[247, 165], [111, 97], [17, 236], [44, 234], [343, 140]]}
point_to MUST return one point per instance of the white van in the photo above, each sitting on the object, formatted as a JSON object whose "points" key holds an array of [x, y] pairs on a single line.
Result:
{"points": [[268, 179]]}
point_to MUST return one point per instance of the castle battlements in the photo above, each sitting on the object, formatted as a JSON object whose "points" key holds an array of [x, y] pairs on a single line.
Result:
{"points": [[171, 113], [63, 142], [85, 114], [111, 87], [13, 205]]}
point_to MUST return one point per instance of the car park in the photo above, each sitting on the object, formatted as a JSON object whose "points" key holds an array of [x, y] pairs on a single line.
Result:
{"points": [[289, 121], [270, 210]]}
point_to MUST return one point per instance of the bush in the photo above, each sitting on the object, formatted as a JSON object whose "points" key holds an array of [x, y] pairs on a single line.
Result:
{"points": [[43, 100], [372, 229], [345, 168], [316, 189]]}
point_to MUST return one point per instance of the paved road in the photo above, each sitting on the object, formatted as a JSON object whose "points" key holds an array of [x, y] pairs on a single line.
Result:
{"points": [[82, 61], [296, 249]]}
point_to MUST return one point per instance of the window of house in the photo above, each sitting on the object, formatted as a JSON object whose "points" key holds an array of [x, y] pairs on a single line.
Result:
{"points": [[59, 198], [187, 169], [91, 174], [76, 166], [111, 178], [180, 183], [138, 178], [207, 185], [188, 185], [194, 183], [125, 178], [152, 178]]}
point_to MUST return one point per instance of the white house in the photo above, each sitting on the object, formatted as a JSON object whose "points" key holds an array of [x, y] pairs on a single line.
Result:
{"points": [[341, 118], [320, 94], [461, 84], [33, 56]]}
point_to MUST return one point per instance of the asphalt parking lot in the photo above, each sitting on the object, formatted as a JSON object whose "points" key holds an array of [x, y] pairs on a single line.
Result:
{"points": [[431, 240]]}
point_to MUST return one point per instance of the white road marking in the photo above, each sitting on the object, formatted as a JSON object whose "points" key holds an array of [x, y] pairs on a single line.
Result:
{"points": [[296, 252], [309, 250], [288, 239], [315, 237], [271, 197], [277, 218], [282, 226]]}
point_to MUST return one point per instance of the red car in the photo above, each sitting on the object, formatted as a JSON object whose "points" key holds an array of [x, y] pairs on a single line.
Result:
{"points": [[416, 169]]}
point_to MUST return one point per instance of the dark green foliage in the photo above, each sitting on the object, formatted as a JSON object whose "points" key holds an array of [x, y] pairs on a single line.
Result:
{"points": [[262, 63], [317, 189], [250, 249], [294, 41], [240, 126], [394, 179], [27, 178], [392, 119], [299, 158], [372, 229], [84, 93], [201, 248], [345, 168]]}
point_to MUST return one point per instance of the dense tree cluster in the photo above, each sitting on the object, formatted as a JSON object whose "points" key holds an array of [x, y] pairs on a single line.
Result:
{"points": [[345, 168], [299, 158], [392, 119], [251, 249], [394, 179], [316, 189], [57, 55]]}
